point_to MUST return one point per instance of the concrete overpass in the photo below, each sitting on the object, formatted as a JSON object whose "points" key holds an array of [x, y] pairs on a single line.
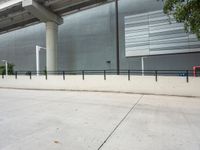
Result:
{"points": [[15, 14]]}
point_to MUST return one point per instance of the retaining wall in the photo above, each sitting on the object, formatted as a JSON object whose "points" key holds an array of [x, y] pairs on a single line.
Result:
{"points": [[165, 85]]}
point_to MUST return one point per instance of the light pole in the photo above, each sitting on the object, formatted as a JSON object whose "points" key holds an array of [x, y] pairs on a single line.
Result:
{"points": [[38, 48], [117, 36], [142, 64], [6, 66]]}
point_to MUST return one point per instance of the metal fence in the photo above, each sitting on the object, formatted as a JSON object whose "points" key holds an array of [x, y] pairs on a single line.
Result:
{"points": [[105, 73]]}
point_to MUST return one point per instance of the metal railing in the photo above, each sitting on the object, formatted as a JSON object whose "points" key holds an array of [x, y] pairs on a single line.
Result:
{"points": [[105, 73]]}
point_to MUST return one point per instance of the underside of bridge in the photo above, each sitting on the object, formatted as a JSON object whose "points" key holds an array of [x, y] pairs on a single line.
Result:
{"points": [[15, 14]]}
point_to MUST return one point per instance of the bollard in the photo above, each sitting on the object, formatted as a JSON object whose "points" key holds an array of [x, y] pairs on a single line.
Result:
{"points": [[129, 76], [104, 74], [30, 75], [83, 75], [15, 74], [156, 76], [46, 75], [63, 75], [187, 76]]}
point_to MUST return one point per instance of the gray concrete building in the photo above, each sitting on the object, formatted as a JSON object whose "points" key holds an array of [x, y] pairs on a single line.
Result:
{"points": [[87, 40]]}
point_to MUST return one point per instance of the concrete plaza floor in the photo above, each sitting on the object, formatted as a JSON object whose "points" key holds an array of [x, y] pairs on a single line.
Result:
{"points": [[61, 120]]}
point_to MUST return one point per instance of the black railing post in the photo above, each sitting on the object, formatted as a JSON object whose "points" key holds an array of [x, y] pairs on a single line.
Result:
{"points": [[104, 74], [129, 75], [156, 76], [2, 75], [63, 75], [187, 76], [15, 74], [30, 73], [46, 75], [83, 74]]}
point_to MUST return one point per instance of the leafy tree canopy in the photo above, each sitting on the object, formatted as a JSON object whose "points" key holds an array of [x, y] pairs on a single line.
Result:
{"points": [[185, 11], [10, 69]]}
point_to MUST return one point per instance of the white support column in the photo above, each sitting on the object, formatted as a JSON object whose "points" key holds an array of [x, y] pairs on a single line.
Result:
{"points": [[37, 60], [52, 21], [51, 45]]}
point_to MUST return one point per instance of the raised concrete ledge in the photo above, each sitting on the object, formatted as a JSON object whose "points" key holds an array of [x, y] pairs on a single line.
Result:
{"points": [[176, 86]]}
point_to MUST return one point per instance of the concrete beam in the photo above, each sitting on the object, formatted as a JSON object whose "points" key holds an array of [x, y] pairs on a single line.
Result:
{"points": [[41, 12], [8, 4]]}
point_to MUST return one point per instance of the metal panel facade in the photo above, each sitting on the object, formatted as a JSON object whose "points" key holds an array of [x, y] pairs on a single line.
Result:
{"points": [[87, 41], [155, 33]]}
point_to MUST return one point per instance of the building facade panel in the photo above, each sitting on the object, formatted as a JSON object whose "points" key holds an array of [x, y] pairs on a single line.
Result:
{"points": [[87, 41]]}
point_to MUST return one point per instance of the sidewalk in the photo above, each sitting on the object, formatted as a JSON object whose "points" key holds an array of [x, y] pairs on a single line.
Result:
{"points": [[61, 120]]}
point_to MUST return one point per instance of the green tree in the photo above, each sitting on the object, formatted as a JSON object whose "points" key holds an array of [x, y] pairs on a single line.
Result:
{"points": [[185, 11], [10, 69]]}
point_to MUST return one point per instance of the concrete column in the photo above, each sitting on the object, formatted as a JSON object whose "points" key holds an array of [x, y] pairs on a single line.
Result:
{"points": [[51, 45]]}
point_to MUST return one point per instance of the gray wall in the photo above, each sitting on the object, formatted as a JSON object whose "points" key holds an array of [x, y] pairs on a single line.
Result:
{"points": [[87, 41]]}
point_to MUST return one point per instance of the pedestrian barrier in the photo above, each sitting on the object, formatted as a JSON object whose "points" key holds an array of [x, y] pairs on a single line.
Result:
{"points": [[105, 73]]}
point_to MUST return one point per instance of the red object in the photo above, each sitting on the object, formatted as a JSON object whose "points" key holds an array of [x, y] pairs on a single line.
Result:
{"points": [[196, 70]]}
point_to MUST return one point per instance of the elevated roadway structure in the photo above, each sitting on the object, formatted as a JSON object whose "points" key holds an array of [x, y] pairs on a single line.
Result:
{"points": [[15, 14]]}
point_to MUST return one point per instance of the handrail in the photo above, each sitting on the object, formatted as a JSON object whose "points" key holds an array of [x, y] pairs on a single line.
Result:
{"points": [[105, 73]]}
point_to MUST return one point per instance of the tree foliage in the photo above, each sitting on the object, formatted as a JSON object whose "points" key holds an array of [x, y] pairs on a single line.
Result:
{"points": [[10, 69], [185, 11]]}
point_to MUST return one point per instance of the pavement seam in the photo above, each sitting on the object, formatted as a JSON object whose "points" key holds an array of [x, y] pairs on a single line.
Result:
{"points": [[98, 91], [120, 123]]}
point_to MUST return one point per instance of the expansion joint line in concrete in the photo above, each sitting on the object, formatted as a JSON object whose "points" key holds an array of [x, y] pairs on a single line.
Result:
{"points": [[120, 123]]}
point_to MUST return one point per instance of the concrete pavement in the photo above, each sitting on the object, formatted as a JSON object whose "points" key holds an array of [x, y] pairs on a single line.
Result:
{"points": [[60, 120]]}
